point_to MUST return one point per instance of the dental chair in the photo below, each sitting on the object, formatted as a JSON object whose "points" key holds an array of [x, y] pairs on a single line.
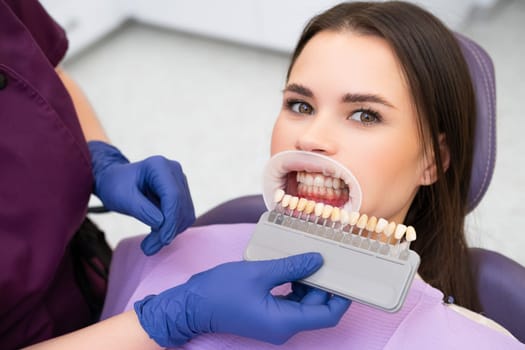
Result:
{"points": [[500, 280]]}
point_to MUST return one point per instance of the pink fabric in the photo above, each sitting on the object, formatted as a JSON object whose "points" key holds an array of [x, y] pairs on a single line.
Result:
{"points": [[423, 321]]}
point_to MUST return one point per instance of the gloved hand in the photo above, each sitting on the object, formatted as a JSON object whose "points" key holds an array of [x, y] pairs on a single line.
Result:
{"points": [[235, 298], [153, 191]]}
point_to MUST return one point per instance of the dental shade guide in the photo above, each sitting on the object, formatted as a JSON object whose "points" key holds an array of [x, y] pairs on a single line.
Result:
{"points": [[373, 266], [367, 260]]}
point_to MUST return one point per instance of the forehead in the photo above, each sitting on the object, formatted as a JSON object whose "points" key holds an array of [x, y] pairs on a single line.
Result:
{"points": [[350, 62]]}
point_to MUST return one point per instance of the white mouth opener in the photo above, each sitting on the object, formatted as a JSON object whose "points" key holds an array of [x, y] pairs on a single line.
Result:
{"points": [[282, 163]]}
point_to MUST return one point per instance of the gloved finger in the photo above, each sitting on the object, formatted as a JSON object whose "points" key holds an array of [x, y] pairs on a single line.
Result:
{"points": [[144, 210], [322, 316], [315, 297], [176, 206], [298, 292], [184, 210], [179, 215], [151, 244], [292, 268], [189, 209]]}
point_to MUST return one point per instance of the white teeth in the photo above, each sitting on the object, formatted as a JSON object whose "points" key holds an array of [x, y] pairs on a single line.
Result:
{"points": [[308, 180], [319, 180]]}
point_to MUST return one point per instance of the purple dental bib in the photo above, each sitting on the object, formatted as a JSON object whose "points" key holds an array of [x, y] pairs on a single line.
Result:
{"points": [[423, 321]]}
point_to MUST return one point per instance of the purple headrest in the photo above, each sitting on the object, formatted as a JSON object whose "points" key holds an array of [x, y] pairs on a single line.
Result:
{"points": [[482, 74]]}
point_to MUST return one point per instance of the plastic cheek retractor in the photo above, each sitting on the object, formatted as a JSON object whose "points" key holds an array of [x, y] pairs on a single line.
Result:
{"points": [[281, 164]]}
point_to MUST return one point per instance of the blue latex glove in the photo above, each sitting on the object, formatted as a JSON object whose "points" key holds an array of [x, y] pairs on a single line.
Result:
{"points": [[153, 191], [235, 298]]}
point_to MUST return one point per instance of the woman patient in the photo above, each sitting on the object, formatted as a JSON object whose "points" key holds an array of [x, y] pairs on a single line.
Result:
{"points": [[382, 88]]}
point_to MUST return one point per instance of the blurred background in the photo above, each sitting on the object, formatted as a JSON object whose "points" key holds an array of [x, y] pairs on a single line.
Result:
{"points": [[200, 82]]}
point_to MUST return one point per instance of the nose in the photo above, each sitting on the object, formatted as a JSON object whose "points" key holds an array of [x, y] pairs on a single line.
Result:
{"points": [[318, 137]]}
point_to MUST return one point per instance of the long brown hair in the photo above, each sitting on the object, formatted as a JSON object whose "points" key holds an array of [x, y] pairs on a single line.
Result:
{"points": [[444, 99]]}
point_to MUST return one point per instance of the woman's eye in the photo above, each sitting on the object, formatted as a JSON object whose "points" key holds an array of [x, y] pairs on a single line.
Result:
{"points": [[300, 107], [365, 117]]}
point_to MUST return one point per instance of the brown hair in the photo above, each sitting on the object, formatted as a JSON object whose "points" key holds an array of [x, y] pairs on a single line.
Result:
{"points": [[444, 99]]}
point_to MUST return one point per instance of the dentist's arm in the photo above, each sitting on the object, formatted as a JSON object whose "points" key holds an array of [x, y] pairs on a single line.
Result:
{"points": [[231, 298], [91, 126]]}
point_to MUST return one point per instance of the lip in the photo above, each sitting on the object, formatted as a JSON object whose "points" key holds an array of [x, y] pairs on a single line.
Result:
{"points": [[282, 163]]}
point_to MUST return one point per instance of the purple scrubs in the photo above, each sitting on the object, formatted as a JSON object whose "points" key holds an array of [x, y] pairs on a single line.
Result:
{"points": [[45, 181]]}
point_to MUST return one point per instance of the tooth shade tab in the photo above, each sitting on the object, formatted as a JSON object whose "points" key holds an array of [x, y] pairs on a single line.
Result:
{"points": [[410, 234], [381, 225], [318, 211], [361, 223], [375, 235], [336, 214], [310, 206], [286, 200], [278, 196], [301, 205], [389, 230], [371, 224], [293, 203], [354, 216], [345, 217], [400, 231], [327, 211]]}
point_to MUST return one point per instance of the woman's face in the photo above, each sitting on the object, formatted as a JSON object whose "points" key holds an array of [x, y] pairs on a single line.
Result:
{"points": [[347, 98]]}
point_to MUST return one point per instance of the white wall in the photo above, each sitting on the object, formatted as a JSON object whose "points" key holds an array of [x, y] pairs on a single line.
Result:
{"points": [[211, 104], [273, 24]]}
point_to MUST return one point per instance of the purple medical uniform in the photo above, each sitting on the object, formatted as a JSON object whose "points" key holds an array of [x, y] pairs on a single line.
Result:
{"points": [[45, 181]]}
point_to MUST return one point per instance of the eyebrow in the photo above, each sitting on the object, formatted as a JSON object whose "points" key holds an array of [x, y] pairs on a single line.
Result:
{"points": [[353, 98], [300, 89], [347, 98]]}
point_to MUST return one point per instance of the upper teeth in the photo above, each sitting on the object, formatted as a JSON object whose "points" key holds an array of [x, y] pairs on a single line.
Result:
{"points": [[319, 180]]}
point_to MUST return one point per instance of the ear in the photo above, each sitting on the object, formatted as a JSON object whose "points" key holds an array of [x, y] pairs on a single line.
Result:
{"points": [[430, 172]]}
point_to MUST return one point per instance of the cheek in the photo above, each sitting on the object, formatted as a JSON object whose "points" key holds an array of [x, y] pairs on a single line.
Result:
{"points": [[388, 177], [281, 139]]}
